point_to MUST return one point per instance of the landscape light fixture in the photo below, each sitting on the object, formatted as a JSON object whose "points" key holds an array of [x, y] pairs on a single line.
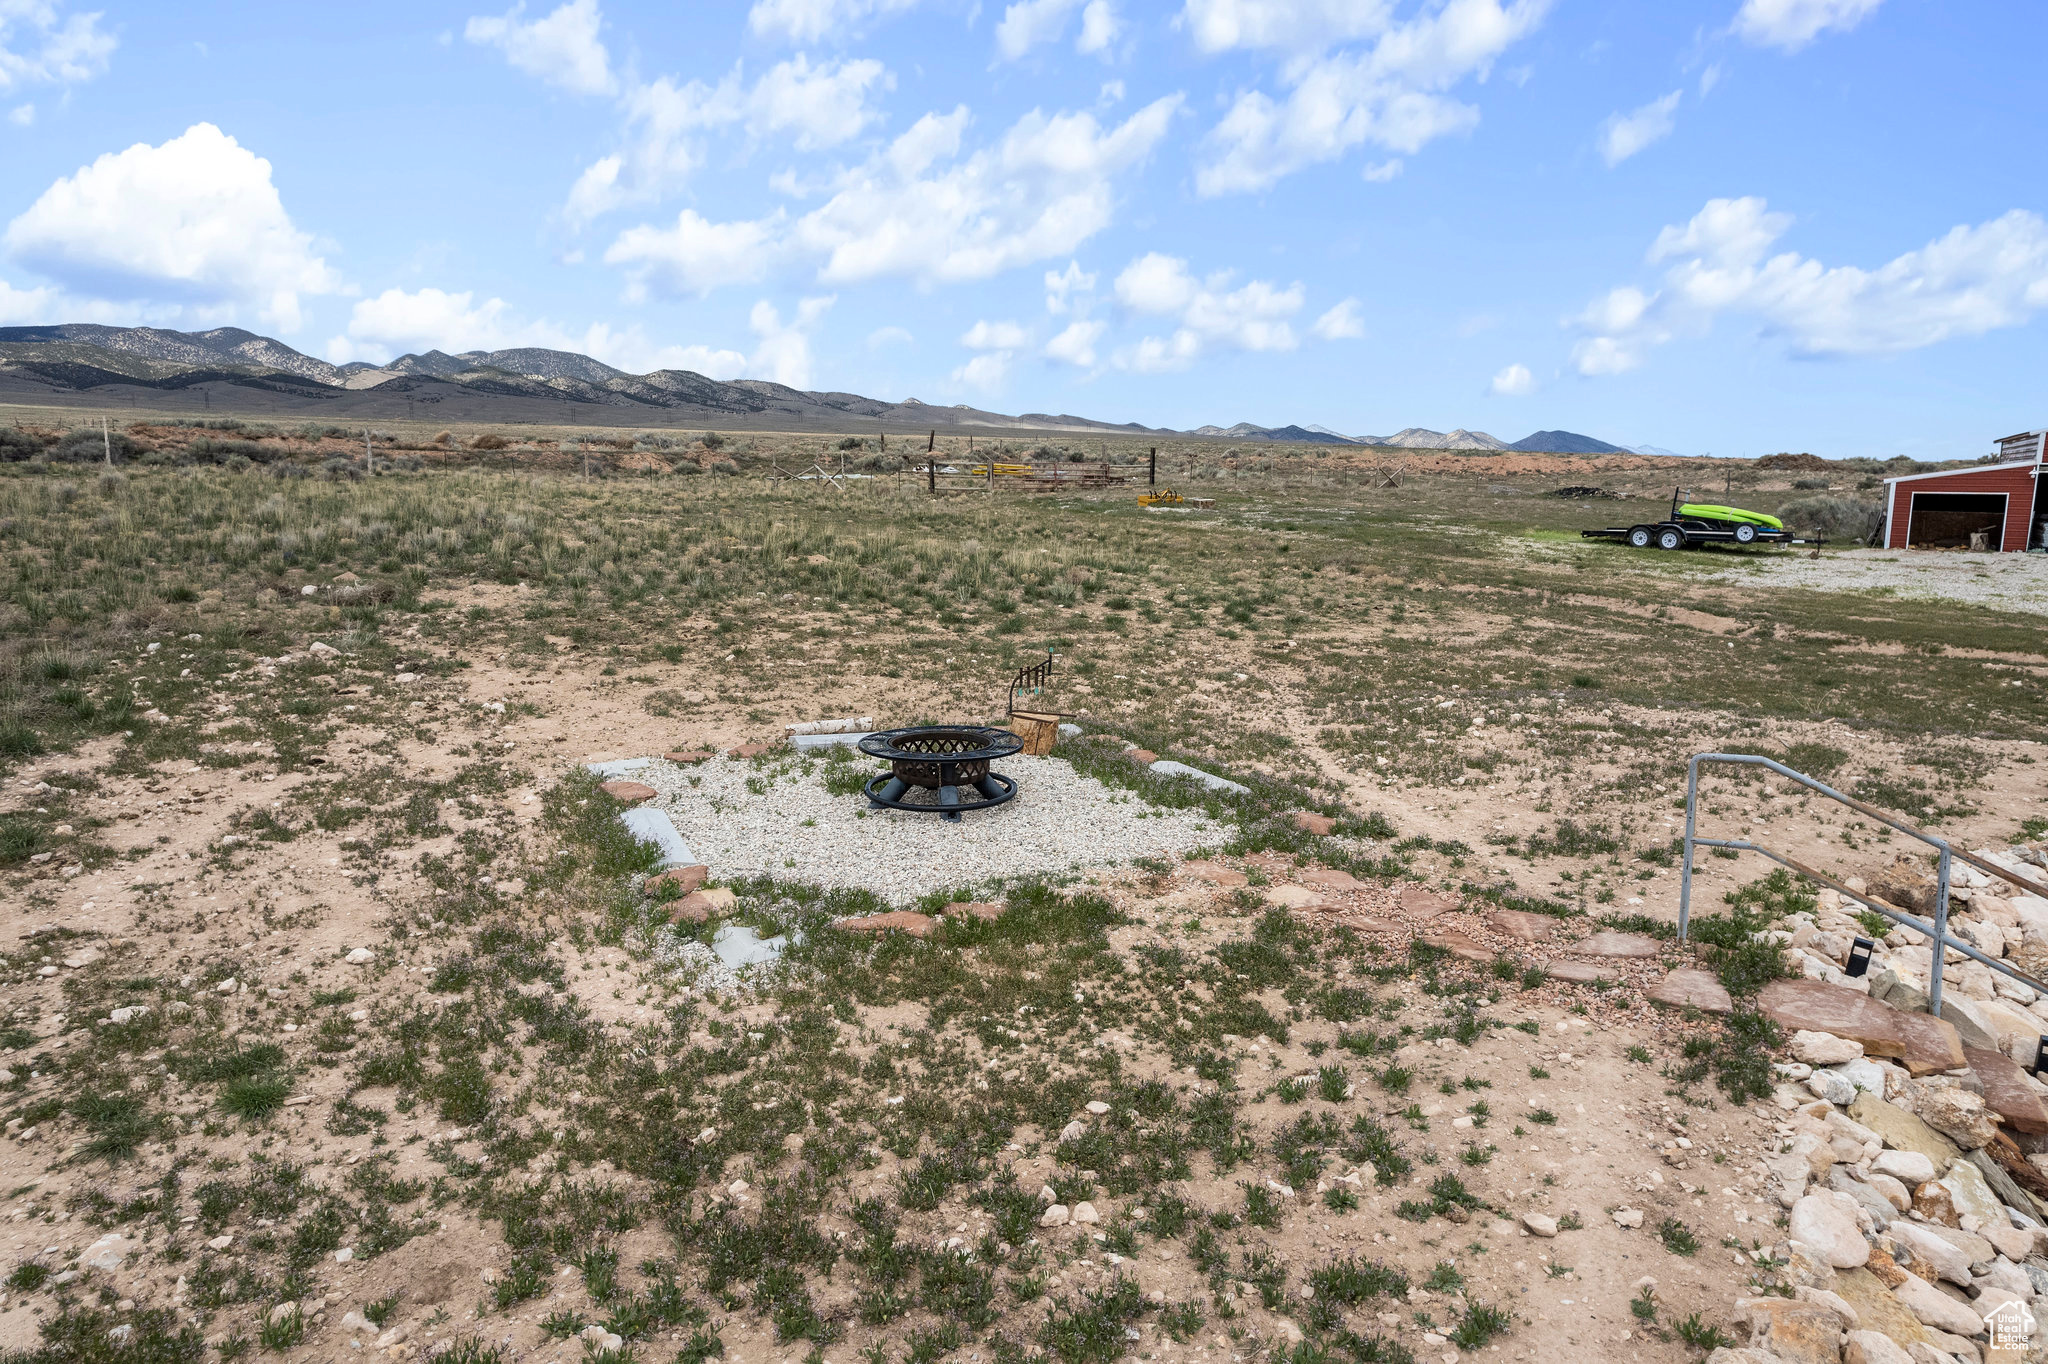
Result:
{"points": [[1859, 957]]}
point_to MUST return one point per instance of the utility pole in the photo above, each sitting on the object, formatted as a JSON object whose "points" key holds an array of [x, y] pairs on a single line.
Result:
{"points": [[1152, 469]]}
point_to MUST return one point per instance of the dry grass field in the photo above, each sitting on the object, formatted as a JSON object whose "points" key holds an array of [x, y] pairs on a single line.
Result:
{"points": [[335, 991]]}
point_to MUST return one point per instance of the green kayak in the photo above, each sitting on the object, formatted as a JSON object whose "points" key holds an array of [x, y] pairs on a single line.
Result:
{"points": [[1706, 511]]}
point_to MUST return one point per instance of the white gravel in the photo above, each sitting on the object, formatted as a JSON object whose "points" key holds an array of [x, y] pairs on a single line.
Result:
{"points": [[796, 830], [2007, 582]]}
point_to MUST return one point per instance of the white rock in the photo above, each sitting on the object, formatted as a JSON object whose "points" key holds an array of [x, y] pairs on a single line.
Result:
{"points": [[1058, 1215], [1628, 1217], [1825, 1222], [222, 1241], [1908, 1167], [1834, 1302], [128, 1013], [1935, 1308], [1874, 1347], [1085, 1212], [228, 986], [1074, 1131], [344, 1255], [1539, 1225], [1824, 1049], [360, 956], [1097, 1107], [1893, 1191], [105, 1254], [1949, 1262]]}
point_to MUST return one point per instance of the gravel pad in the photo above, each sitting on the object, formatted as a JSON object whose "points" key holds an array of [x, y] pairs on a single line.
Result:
{"points": [[1060, 821]]}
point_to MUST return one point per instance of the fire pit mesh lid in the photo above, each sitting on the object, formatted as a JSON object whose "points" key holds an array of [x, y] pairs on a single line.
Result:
{"points": [[957, 743]]}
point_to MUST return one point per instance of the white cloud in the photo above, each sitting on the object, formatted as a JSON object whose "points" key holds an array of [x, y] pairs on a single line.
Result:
{"points": [[562, 49], [820, 106], [195, 222], [1379, 172], [889, 336], [1792, 24], [985, 335], [1389, 94], [1099, 28], [1076, 344], [398, 321], [1968, 282], [985, 371], [1515, 381], [1029, 23], [22, 115], [1341, 323], [695, 256], [29, 307], [808, 21], [1710, 78], [1252, 318], [922, 210], [668, 126], [1295, 25], [783, 353], [1063, 286], [1623, 135], [41, 45]]}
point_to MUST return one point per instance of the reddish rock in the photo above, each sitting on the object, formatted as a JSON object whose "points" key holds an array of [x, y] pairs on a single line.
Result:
{"points": [[1364, 922], [1924, 1044], [1310, 822], [1323, 878], [1687, 986], [1295, 897], [690, 755], [693, 908], [1578, 972], [904, 920], [2006, 1091], [1144, 757], [1214, 873], [1418, 903], [974, 909], [631, 792], [749, 750], [1520, 923], [1457, 944], [1609, 943], [685, 879]]}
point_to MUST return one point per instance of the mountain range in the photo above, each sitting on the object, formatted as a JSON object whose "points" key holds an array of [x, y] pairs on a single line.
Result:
{"points": [[85, 364]]}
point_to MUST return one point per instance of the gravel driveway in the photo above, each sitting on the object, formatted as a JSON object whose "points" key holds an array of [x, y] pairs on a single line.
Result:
{"points": [[2008, 582]]}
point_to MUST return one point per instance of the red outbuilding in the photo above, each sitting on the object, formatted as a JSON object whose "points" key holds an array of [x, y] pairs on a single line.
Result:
{"points": [[2002, 506]]}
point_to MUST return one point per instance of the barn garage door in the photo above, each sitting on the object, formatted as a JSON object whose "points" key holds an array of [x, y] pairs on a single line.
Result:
{"points": [[1947, 520]]}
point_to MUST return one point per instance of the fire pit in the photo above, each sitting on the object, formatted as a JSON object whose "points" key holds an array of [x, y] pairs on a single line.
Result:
{"points": [[941, 759]]}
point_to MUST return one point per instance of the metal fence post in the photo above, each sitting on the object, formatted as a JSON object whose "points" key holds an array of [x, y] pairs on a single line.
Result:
{"points": [[1692, 797], [1940, 961]]}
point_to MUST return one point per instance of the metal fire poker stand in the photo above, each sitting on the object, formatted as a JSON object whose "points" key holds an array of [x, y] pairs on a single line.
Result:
{"points": [[1938, 930]]}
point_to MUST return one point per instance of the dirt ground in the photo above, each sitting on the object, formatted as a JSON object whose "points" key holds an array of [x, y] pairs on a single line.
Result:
{"points": [[224, 884]]}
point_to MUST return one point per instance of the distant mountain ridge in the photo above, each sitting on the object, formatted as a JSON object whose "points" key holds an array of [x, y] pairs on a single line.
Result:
{"points": [[530, 383]]}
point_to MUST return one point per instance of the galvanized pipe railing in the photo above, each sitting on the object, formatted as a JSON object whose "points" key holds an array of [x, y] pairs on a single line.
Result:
{"points": [[1938, 930]]}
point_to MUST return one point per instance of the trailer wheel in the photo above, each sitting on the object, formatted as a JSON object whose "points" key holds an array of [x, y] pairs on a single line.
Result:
{"points": [[1639, 537], [1745, 534], [1670, 537]]}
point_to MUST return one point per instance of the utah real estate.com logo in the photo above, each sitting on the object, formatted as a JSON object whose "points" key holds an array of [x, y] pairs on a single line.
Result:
{"points": [[2010, 1326]]}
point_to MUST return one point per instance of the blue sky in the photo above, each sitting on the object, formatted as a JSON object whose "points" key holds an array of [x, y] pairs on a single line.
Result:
{"points": [[1734, 227]]}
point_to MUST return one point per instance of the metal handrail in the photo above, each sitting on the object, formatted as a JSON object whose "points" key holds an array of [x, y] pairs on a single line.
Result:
{"points": [[1938, 930]]}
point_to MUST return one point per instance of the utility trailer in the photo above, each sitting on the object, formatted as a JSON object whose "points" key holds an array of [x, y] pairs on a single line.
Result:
{"points": [[1700, 523]]}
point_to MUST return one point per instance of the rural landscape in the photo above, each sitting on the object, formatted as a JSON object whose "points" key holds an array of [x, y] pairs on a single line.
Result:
{"points": [[1051, 682], [347, 1014]]}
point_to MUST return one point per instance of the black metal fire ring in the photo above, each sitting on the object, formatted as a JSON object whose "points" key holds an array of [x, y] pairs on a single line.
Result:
{"points": [[945, 759]]}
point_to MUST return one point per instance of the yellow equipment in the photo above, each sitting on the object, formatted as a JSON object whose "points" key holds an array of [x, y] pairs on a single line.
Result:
{"points": [[1160, 497]]}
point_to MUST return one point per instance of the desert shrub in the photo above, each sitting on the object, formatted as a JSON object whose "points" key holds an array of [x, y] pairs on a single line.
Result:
{"points": [[489, 440], [1836, 516], [442, 438], [713, 441], [19, 445], [86, 445]]}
